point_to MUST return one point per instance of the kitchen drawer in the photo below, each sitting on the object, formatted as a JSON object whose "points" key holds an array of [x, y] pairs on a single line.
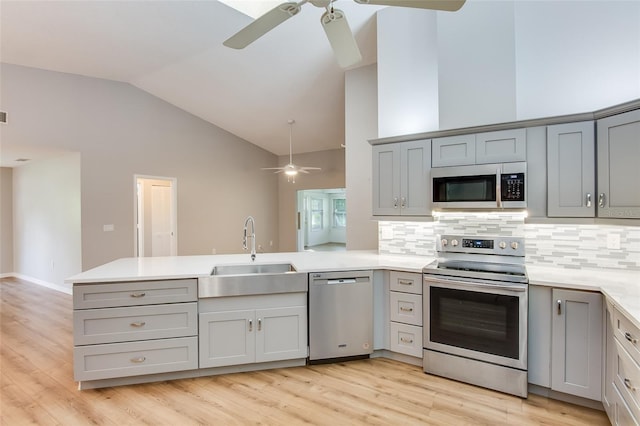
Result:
{"points": [[97, 362], [627, 334], [406, 339], [406, 308], [406, 282], [627, 379], [622, 415], [133, 293], [110, 325]]}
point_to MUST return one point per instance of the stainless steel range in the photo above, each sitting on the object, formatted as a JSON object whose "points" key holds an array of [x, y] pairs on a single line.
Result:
{"points": [[475, 312]]}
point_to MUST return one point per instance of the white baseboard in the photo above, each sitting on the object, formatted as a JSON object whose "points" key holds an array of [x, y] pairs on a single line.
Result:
{"points": [[37, 281]]}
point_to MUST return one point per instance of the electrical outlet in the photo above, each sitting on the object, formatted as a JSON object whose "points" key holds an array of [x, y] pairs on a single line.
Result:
{"points": [[613, 241], [213, 251], [387, 233]]}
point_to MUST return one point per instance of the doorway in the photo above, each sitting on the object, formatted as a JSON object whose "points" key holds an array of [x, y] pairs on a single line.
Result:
{"points": [[156, 232], [322, 220]]}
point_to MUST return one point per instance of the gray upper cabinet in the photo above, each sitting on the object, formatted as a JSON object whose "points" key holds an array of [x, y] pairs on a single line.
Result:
{"points": [[454, 151], [503, 146], [571, 170], [618, 165], [400, 179]]}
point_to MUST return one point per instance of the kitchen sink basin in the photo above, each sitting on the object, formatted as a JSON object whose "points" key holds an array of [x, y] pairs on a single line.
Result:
{"points": [[252, 278], [252, 268]]}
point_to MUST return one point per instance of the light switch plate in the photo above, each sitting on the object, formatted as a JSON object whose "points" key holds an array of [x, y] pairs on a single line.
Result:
{"points": [[108, 228]]}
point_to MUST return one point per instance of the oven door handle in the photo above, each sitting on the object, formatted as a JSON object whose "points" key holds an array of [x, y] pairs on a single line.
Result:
{"points": [[475, 285]]}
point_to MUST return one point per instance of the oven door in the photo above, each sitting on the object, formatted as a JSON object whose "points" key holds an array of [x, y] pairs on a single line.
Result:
{"points": [[477, 319]]}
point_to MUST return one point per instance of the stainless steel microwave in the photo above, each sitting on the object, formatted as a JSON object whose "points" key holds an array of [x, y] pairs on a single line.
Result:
{"points": [[482, 186]]}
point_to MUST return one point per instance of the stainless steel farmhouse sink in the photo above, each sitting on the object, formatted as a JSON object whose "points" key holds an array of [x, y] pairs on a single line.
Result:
{"points": [[252, 278]]}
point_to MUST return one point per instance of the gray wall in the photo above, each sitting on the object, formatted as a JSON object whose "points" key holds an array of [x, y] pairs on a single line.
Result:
{"points": [[332, 175], [6, 220], [120, 131]]}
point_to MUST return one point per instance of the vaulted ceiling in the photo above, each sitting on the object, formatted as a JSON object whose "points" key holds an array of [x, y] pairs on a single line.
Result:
{"points": [[173, 50]]}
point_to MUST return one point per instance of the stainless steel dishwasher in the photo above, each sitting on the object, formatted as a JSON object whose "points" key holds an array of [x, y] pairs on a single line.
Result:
{"points": [[340, 314]]}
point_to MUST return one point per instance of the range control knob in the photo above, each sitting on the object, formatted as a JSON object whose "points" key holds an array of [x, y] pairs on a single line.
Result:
{"points": [[514, 245], [454, 243], [444, 242], [502, 245]]}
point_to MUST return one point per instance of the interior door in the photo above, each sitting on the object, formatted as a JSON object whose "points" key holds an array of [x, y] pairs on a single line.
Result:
{"points": [[161, 231]]}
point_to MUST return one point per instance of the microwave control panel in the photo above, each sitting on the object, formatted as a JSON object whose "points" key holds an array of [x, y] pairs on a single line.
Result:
{"points": [[512, 187]]}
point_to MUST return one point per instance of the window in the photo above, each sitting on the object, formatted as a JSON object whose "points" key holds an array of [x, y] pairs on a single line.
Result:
{"points": [[317, 213], [339, 213]]}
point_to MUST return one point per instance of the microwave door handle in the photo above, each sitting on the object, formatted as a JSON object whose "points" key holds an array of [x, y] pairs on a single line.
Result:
{"points": [[498, 189]]}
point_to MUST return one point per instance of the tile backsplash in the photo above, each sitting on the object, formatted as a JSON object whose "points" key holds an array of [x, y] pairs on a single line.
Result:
{"points": [[560, 245]]}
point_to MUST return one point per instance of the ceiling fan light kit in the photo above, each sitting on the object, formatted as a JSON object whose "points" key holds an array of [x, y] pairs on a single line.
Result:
{"points": [[333, 21], [291, 170]]}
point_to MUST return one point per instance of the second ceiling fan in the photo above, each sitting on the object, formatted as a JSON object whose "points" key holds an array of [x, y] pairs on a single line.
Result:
{"points": [[333, 21]]}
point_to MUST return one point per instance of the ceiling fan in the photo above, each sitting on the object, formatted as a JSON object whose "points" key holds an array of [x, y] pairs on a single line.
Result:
{"points": [[333, 21], [291, 170]]}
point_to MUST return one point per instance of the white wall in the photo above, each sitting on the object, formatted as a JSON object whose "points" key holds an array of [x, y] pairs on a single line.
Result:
{"points": [[501, 61], [576, 56], [6, 220], [121, 131], [47, 225], [407, 71], [361, 124]]}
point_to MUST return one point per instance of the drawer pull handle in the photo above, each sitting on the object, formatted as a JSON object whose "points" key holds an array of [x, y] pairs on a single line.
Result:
{"points": [[405, 340], [629, 386], [138, 324], [138, 294], [402, 308], [630, 338], [138, 360], [405, 282]]}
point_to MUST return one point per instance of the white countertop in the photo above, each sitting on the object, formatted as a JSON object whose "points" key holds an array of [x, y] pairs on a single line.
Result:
{"points": [[621, 287], [146, 268]]}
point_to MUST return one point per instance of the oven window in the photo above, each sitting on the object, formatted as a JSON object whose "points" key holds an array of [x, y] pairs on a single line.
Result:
{"points": [[476, 321], [464, 188]]}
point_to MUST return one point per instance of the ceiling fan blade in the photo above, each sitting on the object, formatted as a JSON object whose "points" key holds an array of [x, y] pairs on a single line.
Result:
{"points": [[309, 168], [262, 25], [446, 5], [341, 38]]}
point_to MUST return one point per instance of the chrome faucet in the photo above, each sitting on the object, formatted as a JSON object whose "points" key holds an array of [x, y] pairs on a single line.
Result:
{"points": [[252, 236]]}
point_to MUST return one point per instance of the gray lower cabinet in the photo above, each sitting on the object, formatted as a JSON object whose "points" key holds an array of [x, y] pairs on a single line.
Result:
{"points": [[401, 179], [405, 307], [576, 346], [618, 171], [565, 341], [571, 170], [621, 393], [274, 328], [134, 328]]}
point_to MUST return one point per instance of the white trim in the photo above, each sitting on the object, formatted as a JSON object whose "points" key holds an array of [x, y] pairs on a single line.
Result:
{"points": [[56, 287]]}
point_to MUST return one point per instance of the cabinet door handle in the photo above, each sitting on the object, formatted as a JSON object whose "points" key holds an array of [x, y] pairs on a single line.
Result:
{"points": [[588, 201], [405, 340], [250, 325], [602, 200], [395, 202], [138, 360], [402, 308], [138, 294], [629, 386], [138, 324], [559, 303], [630, 338], [403, 202], [259, 324], [405, 282]]}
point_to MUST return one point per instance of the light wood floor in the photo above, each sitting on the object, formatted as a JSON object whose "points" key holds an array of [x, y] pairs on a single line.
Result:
{"points": [[37, 387]]}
